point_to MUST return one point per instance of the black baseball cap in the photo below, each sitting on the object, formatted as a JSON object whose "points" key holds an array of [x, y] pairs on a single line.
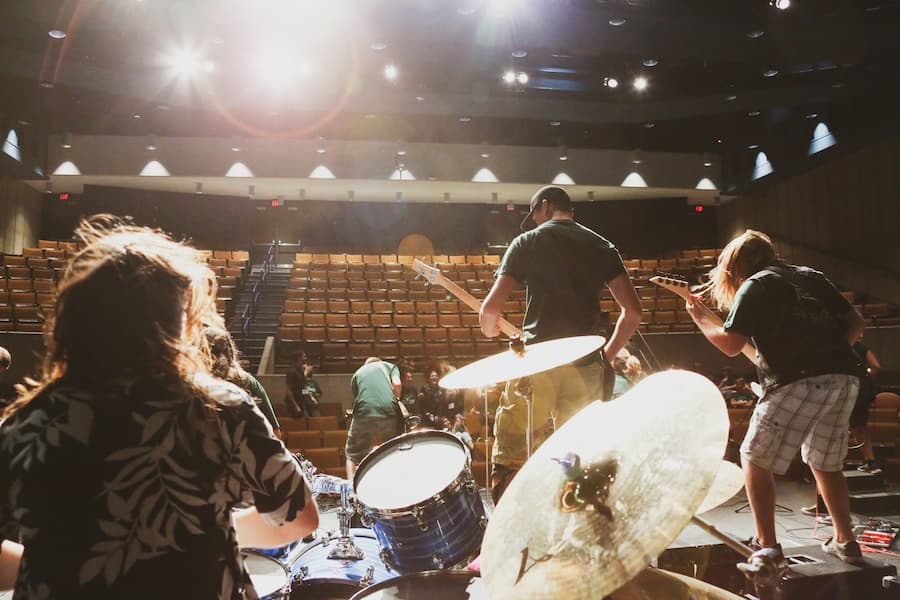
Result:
{"points": [[554, 194]]}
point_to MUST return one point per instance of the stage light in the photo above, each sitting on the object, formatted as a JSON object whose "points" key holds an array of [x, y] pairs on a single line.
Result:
{"points": [[185, 63], [611, 82], [617, 21], [509, 77], [781, 4], [640, 83], [390, 72], [522, 78]]}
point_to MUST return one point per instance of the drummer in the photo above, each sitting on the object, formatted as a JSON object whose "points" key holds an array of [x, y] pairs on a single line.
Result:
{"points": [[564, 266]]}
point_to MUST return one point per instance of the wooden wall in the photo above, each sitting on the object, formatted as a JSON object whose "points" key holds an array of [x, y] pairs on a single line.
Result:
{"points": [[20, 216], [842, 217]]}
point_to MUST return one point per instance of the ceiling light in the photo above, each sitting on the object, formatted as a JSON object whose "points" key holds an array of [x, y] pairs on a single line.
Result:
{"points": [[198, 187], [23, 122], [235, 144], [136, 116], [57, 34], [369, 116], [752, 146], [46, 84], [151, 143], [401, 152], [636, 156], [522, 78], [770, 72], [753, 113], [465, 119], [485, 155], [67, 140], [755, 34], [378, 46], [519, 53], [640, 83], [563, 153], [781, 4], [650, 62], [320, 150], [812, 115], [707, 161], [731, 98], [617, 21], [611, 82], [649, 125], [390, 72], [555, 123], [251, 191], [420, 98], [48, 187], [509, 77], [185, 63]]}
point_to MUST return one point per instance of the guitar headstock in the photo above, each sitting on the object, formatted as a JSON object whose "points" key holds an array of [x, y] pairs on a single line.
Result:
{"points": [[431, 274], [673, 283]]}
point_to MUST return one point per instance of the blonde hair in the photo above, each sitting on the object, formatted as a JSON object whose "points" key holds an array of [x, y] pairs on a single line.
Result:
{"points": [[742, 257], [132, 301]]}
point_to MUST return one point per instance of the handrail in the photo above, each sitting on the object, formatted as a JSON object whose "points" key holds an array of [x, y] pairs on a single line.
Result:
{"points": [[249, 311]]}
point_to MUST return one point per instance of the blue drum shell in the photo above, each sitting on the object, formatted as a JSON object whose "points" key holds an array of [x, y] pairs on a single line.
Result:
{"points": [[455, 522], [312, 568]]}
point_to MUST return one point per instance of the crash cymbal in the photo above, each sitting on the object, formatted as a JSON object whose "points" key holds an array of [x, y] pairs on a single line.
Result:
{"points": [[728, 482], [607, 492], [511, 365], [657, 584]]}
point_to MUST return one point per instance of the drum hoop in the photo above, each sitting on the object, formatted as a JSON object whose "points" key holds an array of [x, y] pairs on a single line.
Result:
{"points": [[356, 532], [441, 496], [287, 574], [461, 481], [454, 573]]}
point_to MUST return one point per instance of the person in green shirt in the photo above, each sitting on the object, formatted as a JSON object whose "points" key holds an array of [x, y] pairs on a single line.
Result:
{"points": [[563, 265], [376, 418]]}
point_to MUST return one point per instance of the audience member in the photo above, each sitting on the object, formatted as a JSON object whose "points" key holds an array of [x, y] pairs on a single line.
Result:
{"points": [[311, 393], [296, 384], [408, 392], [121, 471], [869, 367], [432, 400], [7, 389]]}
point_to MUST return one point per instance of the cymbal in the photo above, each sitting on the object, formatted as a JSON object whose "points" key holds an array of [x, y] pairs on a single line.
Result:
{"points": [[607, 492], [510, 365], [658, 584], [728, 482]]}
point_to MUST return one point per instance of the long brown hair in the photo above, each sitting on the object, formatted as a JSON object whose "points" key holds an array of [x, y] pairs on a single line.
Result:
{"points": [[742, 257], [131, 302]]}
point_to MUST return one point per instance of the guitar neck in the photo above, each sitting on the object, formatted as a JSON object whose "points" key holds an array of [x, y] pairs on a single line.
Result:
{"points": [[472, 302]]}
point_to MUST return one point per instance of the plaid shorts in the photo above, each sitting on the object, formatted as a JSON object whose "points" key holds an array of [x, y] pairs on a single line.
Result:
{"points": [[812, 414], [368, 432]]}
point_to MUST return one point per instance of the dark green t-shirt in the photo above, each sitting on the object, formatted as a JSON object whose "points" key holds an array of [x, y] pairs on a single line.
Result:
{"points": [[564, 264], [371, 385], [794, 316]]}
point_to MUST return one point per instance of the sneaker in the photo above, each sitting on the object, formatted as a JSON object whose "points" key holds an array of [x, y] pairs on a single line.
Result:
{"points": [[813, 510], [775, 551], [869, 467], [824, 520], [849, 552]]}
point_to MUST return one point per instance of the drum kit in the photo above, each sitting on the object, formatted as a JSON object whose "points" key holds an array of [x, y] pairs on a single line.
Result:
{"points": [[601, 498]]}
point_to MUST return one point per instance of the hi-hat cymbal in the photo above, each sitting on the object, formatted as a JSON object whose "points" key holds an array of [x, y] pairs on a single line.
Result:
{"points": [[728, 482], [510, 365], [607, 492], [657, 584]]}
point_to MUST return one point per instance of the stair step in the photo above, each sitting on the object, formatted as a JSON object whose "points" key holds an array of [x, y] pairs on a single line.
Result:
{"points": [[875, 503], [860, 481]]}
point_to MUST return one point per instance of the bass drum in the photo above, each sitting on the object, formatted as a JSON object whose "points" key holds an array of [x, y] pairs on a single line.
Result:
{"points": [[268, 576], [418, 492], [431, 585], [317, 577]]}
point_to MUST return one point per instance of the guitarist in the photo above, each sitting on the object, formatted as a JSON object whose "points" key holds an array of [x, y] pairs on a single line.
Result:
{"points": [[564, 265], [802, 328]]}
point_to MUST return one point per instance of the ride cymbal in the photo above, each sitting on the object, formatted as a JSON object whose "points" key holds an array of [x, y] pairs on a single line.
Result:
{"points": [[607, 492], [536, 358]]}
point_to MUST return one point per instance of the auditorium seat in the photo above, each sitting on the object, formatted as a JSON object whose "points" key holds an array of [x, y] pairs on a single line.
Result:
{"points": [[382, 320], [322, 423], [302, 439]]}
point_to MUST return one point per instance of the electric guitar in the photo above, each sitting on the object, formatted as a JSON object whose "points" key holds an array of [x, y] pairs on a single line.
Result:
{"points": [[680, 286], [433, 275]]}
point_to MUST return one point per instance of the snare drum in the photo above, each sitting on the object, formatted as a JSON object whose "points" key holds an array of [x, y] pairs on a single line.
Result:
{"points": [[431, 585], [269, 577], [417, 490], [317, 577]]}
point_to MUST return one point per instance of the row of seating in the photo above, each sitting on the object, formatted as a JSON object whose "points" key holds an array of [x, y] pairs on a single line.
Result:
{"points": [[380, 259], [305, 333], [364, 319], [393, 307]]}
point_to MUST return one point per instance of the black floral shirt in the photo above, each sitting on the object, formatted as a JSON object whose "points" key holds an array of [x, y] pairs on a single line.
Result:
{"points": [[126, 491]]}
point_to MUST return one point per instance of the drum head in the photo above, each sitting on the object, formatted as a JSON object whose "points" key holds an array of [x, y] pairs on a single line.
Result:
{"points": [[409, 469], [430, 585], [268, 576]]}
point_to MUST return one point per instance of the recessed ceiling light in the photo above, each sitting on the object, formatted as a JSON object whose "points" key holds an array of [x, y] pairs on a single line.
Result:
{"points": [[522, 78], [640, 83], [136, 116], [752, 146], [719, 141], [57, 34], [755, 34], [812, 115], [650, 62], [465, 119], [555, 123], [731, 98], [519, 53], [320, 150], [770, 72], [509, 77], [401, 152], [485, 155], [649, 125], [781, 4], [390, 72], [46, 84], [611, 82], [617, 21], [23, 122], [753, 113], [420, 98], [378, 46]]}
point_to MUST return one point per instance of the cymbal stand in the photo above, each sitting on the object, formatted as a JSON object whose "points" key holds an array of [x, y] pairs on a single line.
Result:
{"points": [[487, 451], [346, 548]]}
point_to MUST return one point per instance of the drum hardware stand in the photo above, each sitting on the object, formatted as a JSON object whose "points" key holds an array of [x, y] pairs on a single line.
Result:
{"points": [[346, 549], [763, 568]]}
